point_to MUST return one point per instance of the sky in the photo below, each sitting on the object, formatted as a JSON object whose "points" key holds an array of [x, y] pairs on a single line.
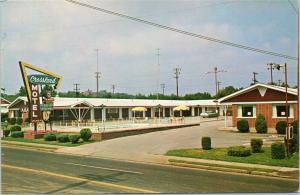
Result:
{"points": [[62, 37]]}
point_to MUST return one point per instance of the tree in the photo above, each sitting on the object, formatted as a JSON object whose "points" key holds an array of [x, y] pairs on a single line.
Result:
{"points": [[48, 88], [227, 91], [22, 91]]}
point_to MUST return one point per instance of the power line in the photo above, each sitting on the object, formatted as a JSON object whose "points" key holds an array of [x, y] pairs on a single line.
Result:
{"points": [[293, 6], [113, 87], [271, 68], [97, 73], [184, 32], [254, 77], [163, 86], [216, 71]]}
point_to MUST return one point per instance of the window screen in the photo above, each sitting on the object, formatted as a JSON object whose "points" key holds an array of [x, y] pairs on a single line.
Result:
{"points": [[247, 111]]}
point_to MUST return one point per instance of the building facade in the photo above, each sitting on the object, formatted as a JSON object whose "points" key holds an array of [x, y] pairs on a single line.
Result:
{"points": [[100, 109], [267, 100]]}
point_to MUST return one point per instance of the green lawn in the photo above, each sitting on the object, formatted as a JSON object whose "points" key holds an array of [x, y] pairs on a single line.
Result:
{"points": [[263, 158], [42, 141]]}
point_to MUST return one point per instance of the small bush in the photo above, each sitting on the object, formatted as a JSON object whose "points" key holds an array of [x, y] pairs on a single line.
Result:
{"points": [[4, 117], [6, 132], [15, 128], [240, 151], [295, 139], [278, 150], [19, 121], [17, 134], [74, 138], [243, 126], [281, 127], [256, 145], [50, 137], [62, 138], [206, 143], [85, 134], [12, 121], [261, 124], [295, 125]]}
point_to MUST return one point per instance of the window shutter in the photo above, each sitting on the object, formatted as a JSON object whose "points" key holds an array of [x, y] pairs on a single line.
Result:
{"points": [[239, 111]]}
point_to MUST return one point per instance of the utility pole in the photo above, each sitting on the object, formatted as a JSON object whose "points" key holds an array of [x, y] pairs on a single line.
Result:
{"points": [[163, 86], [216, 71], [97, 73], [76, 89], [271, 68], [177, 73], [219, 83], [158, 72], [113, 88], [254, 77]]}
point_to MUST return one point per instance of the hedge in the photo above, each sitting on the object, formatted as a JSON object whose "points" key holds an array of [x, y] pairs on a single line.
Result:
{"points": [[85, 134], [15, 128], [256, 145], [261, 124], [16, 134], [19, 121], [62, 138], [12, 121], [243, 126], [206, 143], [240, 151], [50, 137], [74, 138], [278, 150], [281, 127], [6, 132]]}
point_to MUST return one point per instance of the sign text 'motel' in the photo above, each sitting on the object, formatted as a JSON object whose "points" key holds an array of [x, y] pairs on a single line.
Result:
{"points": [[35, 104], [42, 79]]}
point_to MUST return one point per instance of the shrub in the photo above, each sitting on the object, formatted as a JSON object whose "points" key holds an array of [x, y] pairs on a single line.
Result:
{"points": [[6, 132], [256, 145], [62, 138], [206, 143], [85, 134], [278, 150], [16, 134], [240, 151], [261, 124], [295, 125], [281, 127], [50, 137], [295, 139], [4, 117], [243, 126], [15, 128], [74, 138], [12, 121], [19, 121]]}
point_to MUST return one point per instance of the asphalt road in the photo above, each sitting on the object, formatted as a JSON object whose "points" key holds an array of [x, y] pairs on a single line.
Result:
{"points": [[28, 171]]}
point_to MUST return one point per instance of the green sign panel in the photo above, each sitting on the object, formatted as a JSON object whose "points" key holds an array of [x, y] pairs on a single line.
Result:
{"points": [[47, 107], [42, 79]]}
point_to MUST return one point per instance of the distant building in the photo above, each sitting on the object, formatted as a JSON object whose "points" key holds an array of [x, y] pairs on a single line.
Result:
{"points": [[98, 109], [268, 100], [4, 105]]}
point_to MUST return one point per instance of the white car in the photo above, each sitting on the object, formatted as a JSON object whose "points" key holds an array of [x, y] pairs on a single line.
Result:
{"points": [[209, 114]]}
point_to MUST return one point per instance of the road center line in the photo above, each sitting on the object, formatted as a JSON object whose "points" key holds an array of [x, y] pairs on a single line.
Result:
{"points": [[78, 179], [104, 168]]}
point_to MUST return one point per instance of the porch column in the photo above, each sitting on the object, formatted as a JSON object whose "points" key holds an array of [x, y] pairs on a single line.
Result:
{"points": [[180, 112], [92, 117], [171, 112], [203, 109], [144, 114], [103, 114], [120, 113], [129, 113], [164, 112], [193, 111], [225, 121], [152, 112]]}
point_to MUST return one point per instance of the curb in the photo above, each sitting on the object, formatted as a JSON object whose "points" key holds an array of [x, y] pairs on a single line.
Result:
{"points": [[31, 145], [243, 170]]}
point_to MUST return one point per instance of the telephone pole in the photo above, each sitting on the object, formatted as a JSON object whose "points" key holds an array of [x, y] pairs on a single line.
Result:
{"points": [[97, 73], [76, 89], [177, 73], [271, 68], [219, 83], [163, 86], [158, 72], [254, 77], [113, 88], [216, 71]]}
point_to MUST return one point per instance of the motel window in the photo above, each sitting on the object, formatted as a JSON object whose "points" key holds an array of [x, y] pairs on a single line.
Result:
{"points": [[246, 111], [279, 111]]}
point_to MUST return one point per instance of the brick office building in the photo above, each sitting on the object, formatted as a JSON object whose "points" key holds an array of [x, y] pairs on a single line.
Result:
{"points": [[268, 100]]}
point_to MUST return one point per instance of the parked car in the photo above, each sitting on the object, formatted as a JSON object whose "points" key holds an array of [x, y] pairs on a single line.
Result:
{"points": [[209, 114]]}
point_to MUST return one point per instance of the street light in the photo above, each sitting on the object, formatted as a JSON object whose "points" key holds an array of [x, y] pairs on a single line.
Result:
{"points": [[287, 132]]}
